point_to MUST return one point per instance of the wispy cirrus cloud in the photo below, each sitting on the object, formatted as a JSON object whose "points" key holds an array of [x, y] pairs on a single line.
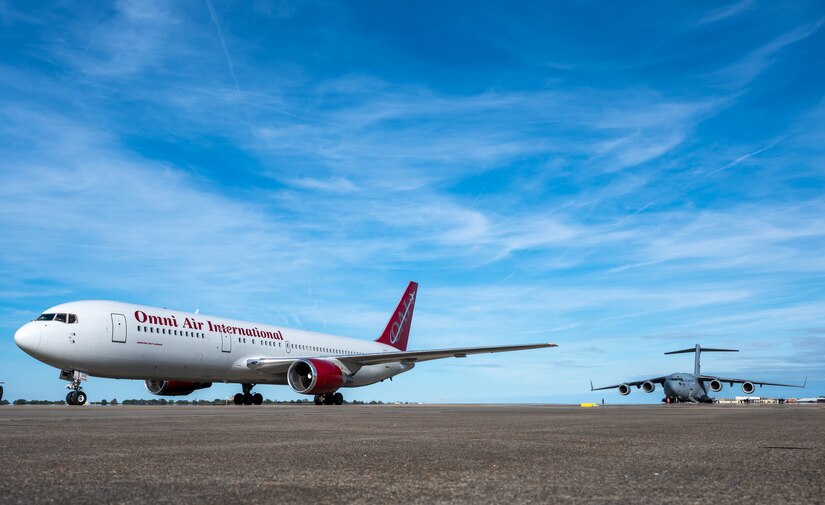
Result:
{"points": [[726, 12], [745, 70]]}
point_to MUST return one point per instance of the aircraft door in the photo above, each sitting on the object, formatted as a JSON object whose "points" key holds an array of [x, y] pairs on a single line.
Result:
{"points": [[118, 328], [286, 345], [226, 343]]}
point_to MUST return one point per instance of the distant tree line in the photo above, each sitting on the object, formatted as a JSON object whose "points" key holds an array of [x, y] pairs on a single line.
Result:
{"points": [[163, 401]]}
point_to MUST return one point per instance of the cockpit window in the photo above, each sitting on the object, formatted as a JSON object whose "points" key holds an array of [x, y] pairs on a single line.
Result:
{"points": [[60, 317], [72, 318], [45, 317]]}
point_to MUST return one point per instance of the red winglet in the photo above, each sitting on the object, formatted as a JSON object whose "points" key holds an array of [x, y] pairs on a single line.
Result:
{"points": [[398, 327]]}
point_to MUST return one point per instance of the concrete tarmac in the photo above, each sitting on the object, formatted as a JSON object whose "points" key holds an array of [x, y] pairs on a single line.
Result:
{"points": [[412, 454]]}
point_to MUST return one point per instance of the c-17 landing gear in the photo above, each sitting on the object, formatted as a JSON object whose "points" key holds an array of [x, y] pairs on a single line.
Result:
{"points": [[329, 399], [247, 397], [75, 396]]}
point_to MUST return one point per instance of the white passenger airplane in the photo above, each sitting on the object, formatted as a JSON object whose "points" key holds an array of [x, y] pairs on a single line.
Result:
{"points": [[177, 352]]}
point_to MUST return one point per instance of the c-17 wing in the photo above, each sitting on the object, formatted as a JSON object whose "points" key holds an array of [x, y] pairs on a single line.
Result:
{"points": [[708, 378], [354, 362], [638, 384]]}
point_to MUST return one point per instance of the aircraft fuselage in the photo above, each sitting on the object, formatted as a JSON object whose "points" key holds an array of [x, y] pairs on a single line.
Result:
{"points": [[685, 387], [128, 341]]}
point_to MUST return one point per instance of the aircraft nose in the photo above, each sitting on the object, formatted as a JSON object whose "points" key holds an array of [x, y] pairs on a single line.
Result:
{"points": [[28, 337]]}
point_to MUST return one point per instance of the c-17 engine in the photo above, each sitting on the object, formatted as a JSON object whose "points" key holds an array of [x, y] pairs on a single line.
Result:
{"points": [[715, 386], [624, 390], [748, 387], [648, 387]]}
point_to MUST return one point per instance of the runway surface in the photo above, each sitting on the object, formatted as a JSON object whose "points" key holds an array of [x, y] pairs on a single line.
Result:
{"points": [[424, 454]]}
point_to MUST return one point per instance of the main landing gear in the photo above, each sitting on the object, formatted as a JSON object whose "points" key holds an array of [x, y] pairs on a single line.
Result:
{"points": [[329, 399], [75, 396], [247, 397]]}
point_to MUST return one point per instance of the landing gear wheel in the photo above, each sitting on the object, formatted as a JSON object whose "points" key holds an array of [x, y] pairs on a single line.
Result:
{"points": [[257, 399], [247, 399], [338, 399], [329, 399], [238, 399], [75, 395], [319, 399]]}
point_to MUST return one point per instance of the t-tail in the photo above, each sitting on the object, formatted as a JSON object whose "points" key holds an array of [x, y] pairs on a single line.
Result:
{"points": [[698, 350], [397, 331]]}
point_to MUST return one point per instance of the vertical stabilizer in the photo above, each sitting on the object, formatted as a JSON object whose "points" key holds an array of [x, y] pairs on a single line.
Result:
{"points": [[698, 350], [397, 330]]}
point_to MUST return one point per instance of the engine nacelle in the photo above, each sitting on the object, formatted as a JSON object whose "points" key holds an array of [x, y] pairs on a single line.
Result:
{"points": [[173, 388], [314, 376], [748, 387], [648, 387], [624, 390], [715, 386]]}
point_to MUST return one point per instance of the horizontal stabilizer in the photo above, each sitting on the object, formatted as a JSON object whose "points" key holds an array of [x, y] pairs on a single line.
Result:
{"points": [[703, 349]]}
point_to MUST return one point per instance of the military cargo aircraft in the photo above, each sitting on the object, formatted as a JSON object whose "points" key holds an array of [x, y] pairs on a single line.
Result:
{"points": [[693, 388]]}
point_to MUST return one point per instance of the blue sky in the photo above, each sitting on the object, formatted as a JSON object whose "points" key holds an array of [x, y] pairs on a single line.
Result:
{"points": [[623, 180]]}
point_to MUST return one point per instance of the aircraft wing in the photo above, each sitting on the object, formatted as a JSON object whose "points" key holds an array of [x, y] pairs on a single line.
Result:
{"points": [[354, 362], [708, 378], [638, 384]]}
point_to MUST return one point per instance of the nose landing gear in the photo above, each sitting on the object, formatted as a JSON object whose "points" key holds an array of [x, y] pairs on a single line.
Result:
{"points": [[247, 397], [75, 396]]}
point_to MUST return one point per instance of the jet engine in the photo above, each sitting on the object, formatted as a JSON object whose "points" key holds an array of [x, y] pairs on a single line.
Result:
{"points": [[624, 390], [748, 387], [174, 388], [715, 386], [648, 387], [314, 376]]}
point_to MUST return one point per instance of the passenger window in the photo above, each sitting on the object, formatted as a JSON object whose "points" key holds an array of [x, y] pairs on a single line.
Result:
{"points": [[138, 328], [151, 329], [60, 317], [72, 318]]}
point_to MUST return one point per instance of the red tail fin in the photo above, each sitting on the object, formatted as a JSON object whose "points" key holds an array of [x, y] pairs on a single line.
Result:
{"points": [[398, 327]]}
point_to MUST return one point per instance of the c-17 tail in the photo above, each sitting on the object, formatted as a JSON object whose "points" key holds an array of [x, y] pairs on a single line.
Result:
{"points": [[698, 350]]}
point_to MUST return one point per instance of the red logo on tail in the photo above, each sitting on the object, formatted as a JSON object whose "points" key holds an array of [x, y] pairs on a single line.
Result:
{"points": [[398, 327]]}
